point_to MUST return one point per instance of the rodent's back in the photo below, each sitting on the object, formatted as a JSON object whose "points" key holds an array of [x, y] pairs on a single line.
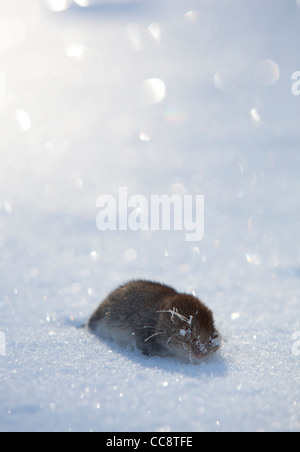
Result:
{"points": [[132, 306]]}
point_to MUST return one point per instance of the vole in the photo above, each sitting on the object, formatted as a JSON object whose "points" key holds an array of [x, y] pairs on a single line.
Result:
{"points": [[157, 320]]}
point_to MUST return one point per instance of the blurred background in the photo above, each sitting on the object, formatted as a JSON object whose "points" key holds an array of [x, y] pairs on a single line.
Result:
{"points": [[162, 97]]}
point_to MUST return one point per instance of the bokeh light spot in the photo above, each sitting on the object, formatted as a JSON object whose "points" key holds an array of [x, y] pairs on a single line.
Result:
{"points": [[83, 3], [134, 34], [191, 16], [253, 258], [255, 117], [266, 72], [143, 136], [75, 50], [130, 256], [58, 5], [153, 91], [174, 115], [24, 120], [155, 31]]}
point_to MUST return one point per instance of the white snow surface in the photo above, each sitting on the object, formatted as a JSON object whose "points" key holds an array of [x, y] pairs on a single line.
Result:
{"points": [[76, 123]]}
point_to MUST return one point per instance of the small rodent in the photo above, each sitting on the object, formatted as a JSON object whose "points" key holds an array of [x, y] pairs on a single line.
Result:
{"points": [[157, 320]]}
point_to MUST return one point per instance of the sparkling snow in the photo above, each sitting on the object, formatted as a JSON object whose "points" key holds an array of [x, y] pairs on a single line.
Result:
{"points": [[162, 97]]}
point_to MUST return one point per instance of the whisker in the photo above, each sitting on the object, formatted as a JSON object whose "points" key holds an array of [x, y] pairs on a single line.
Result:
{"points": [[169, 339], [147, 326], [172, 335], [155, 334]]}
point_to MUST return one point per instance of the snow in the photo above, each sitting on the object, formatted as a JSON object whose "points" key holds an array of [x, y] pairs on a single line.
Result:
{"points": [[161, 97]]}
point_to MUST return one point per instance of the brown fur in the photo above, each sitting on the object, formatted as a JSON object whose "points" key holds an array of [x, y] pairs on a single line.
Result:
{"points": [[157, 320]]}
